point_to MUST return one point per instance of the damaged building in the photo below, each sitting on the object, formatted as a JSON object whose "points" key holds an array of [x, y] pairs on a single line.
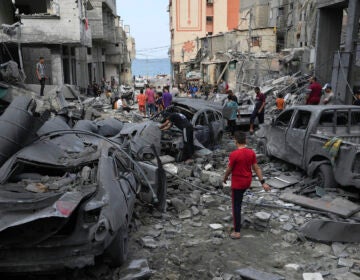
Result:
{"points": [[81, 41]]}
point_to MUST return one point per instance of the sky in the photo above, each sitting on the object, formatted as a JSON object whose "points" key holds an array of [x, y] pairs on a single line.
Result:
{"points": [[149, 25]]}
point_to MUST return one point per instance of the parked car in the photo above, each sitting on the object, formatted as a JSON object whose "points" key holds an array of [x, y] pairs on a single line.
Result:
{"points": [[299, 134], [67, 199], [139, 83]]}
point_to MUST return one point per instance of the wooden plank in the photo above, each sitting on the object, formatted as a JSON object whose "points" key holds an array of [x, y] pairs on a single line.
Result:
{"points": [[253, 274], [338, 206]]}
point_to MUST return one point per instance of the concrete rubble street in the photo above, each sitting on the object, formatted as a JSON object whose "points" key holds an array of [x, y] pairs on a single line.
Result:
{"points": [[97, 182]]}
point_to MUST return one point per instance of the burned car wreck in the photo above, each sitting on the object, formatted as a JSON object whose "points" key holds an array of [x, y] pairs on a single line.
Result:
{"points": [[208, 127], [68, 198]]}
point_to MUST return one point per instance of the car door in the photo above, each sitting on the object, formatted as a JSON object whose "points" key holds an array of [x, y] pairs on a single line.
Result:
{"points": [[277, 133], [201, 128], [295, 137]]}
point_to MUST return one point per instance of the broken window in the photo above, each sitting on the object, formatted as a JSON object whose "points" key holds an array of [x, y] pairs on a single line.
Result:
{"points": [[210, 116], [326, 118], [302, 120], [39, 7], [256, 41], [342, 118], [201, 119], [281, 11], [284, 119], [355, 118]]}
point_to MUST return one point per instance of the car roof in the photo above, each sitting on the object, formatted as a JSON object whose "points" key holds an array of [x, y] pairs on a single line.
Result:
{"points": [[197, 105], [323, 107]]}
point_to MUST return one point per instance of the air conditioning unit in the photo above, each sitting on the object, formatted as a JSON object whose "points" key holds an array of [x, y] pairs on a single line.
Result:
{"points": [[209, 1]]}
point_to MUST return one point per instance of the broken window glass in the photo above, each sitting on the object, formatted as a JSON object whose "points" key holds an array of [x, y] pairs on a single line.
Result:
{"points": [[302, 120], [39, 7], [284, 119], [201, 120], [342, 118], [210, 116], [326, 118], [355, 118]]}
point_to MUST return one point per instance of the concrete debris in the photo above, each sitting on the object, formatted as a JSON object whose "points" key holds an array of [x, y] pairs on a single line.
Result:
{"points": [[331, 231], [216, 226], [339, 206], [253, 274], [312, 276], [148, 242], [135, 269], [345, 262], [292, 266]]}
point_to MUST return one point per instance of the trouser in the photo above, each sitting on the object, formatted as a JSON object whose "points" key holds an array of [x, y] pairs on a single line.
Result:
{"points": [[255, 114], [237, 198], [42, 86], [232, 126], [151, 108], [188, 138]]}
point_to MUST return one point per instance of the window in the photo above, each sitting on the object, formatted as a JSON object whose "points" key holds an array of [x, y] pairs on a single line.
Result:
{"points": [[256, 41], [209, 19], [281, 11], [342, 118], [209, 2], [302, 120], [326, 118], [210, 116], [284, 119], [201, 120], [89, 51], [355, 118], [38, 8]]}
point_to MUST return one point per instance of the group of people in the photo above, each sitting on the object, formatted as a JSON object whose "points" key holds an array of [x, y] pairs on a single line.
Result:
{"points": [[151, 101]]}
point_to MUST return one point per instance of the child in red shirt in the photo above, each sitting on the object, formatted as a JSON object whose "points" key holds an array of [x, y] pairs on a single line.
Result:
{"points": [[141, 99], [241, 163]]}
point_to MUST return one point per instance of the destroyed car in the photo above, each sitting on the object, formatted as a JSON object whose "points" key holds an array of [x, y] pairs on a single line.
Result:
{"points": [[66, 200], [208, 127], [322, 140]]}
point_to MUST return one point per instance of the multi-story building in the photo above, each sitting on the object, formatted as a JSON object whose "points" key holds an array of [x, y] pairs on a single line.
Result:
{"points": [[191, 20], [82, 41]]}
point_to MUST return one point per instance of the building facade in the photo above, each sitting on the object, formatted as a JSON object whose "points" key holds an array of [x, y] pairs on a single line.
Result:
{"points": [[191, 20], [82, 41]]}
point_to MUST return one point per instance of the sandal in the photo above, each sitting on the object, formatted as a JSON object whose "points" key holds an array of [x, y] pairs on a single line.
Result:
{"points": [[235, 235]]}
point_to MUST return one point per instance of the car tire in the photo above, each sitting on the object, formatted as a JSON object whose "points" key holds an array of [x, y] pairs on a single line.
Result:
{"points": [[261, 147], [325, 176], [117, 251]]}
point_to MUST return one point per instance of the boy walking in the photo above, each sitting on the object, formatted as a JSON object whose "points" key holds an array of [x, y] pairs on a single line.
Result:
{"points": [[241, 162], [141, 99]]}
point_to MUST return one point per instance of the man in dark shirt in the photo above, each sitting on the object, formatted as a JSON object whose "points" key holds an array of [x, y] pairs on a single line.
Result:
{"points": [[314, 92], [259, 109], [232, 96], [357, 100], [182, 123]]}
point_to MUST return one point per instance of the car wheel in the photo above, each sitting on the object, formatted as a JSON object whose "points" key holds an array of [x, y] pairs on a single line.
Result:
{"points": [[325, 176], [261, 147], [117, 251]]}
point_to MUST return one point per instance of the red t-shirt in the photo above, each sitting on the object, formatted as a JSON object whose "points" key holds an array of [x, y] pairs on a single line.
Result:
{"points": [[241, 161], [315, 94]]}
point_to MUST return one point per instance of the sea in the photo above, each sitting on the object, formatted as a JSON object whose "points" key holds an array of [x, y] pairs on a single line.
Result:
{"points": [[150, 67]]}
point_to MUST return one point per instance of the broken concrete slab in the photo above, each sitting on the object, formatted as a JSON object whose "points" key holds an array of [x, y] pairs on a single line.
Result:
{"points": [[331, 231], [339, 206], [164, 159], [345, 262], [253, 274], [135, 269], [312, 276], [282, 181], [216, 226], [347, 276]]}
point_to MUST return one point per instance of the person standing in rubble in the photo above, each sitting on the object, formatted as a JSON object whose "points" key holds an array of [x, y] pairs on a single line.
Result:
{"points": [[259, 109], [182, 123], [41, 75], [232, 96], [150, 100], [241, 162], [222, 86], [328, 97], [314, 92], [232, 119], [166, 98]]}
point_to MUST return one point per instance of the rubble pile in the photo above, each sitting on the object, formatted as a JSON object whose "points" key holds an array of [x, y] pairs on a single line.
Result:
{"points": [[299, 230]]}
